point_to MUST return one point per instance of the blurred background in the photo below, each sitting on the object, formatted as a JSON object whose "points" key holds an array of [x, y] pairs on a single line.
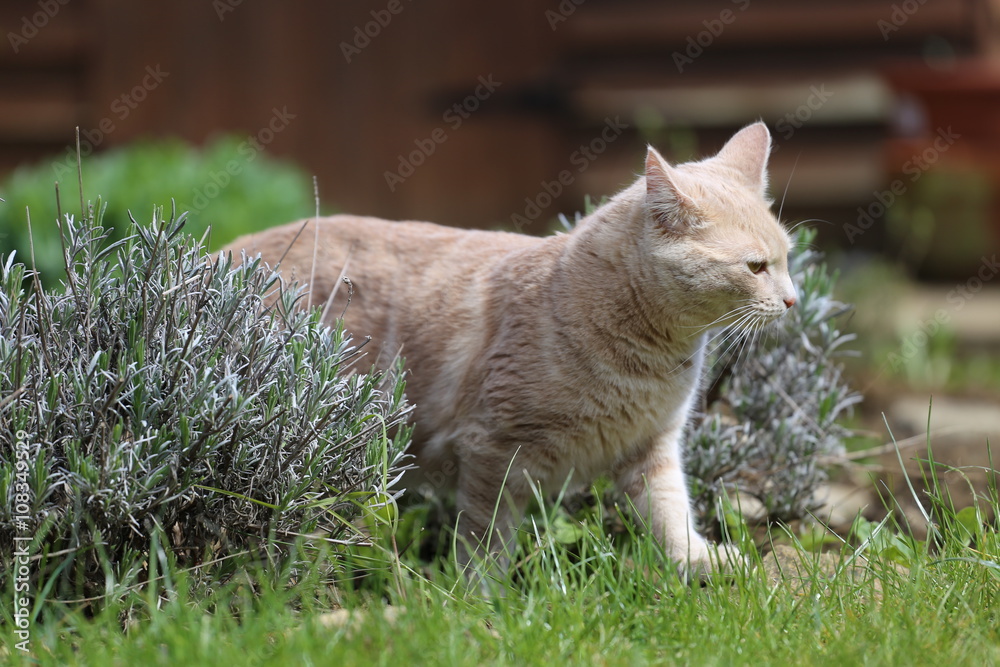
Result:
{"points": [[885, 117]]}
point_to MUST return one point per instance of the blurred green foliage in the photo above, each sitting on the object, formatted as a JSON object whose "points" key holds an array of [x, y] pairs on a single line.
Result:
{"points": [[229, 184], [911, 350], [943, 223]]}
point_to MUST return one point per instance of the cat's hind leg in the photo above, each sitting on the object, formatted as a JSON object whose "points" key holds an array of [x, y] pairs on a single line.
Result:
{"points": [[490, 499]]}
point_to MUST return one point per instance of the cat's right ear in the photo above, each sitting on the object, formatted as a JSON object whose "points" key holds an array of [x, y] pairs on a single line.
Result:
{"points": [[669, 206], [747, 152]]}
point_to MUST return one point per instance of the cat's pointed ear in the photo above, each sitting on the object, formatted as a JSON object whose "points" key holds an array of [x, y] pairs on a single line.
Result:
{"points": [[747, 153], [667, 203]]}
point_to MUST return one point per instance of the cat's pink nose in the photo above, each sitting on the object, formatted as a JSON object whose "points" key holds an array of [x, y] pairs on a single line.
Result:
{"points": [[789, 302]]}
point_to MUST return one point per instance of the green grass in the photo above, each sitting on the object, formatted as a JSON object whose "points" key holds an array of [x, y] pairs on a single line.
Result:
{"points": [[936, 613], [593, 599]]}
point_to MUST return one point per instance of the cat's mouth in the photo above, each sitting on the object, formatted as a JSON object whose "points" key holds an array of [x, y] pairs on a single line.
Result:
{"points": [[773, 314]]}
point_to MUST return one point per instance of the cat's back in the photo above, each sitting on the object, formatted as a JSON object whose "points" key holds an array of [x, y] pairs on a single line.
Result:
{"points": [[429, 291], [373, 245], [405, 277], [411, 258]]}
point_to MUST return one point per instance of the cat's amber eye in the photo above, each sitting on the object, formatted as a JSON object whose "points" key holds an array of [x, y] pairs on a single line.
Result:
{"points": [[757, 267]]}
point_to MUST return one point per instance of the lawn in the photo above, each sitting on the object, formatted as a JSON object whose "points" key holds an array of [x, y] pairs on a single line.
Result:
{"points": [[596, 599]]}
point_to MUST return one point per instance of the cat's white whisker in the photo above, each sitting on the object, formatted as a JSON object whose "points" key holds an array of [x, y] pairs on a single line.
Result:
{"points": [[750, 341], [732, 335], [746, 345], [802, 222], [788, 183], [726, 332], [740, 335], [729, 314], [703, 348]]}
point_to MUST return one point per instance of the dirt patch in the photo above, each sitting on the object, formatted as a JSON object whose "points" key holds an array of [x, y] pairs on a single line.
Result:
{"points": [[805, 573]]}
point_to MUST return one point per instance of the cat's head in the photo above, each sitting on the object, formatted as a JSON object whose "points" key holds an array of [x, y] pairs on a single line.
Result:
{"points": [[711, 231]]}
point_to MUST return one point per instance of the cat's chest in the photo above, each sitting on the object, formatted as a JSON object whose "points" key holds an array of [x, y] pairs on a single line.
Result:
{"points": [[620, 414], [627, 409]]}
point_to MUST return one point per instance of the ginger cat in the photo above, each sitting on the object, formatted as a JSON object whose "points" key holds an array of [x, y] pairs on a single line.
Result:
{"points": [[577, 353]]}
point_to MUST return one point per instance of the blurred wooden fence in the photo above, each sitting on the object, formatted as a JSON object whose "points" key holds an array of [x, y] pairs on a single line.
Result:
{"points": [[368, 91]]}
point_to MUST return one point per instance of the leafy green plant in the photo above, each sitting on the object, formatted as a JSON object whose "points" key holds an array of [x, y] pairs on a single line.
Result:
{"points": [[224, 186], [173, 407], [942, 223]]}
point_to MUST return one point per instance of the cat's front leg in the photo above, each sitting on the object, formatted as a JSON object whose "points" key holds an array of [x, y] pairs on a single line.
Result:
{"points": [[655, 483]]}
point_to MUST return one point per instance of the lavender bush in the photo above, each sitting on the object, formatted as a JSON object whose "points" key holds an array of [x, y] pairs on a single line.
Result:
{"points": [[164, 406]]}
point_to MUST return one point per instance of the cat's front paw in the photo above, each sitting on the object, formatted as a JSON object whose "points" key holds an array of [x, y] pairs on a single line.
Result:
{"points": [[704, 559]]}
